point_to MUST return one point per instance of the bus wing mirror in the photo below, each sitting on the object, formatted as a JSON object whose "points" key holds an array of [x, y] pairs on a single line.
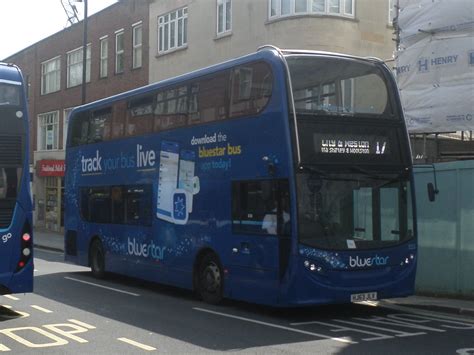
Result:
{"points": [[432, 192]]}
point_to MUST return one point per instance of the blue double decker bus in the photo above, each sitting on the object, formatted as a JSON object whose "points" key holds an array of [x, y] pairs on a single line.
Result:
{"points": [[16, 244], [283, 177]]}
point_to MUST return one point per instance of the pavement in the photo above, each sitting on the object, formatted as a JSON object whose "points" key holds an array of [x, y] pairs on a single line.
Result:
{"points": [[460, 306]]}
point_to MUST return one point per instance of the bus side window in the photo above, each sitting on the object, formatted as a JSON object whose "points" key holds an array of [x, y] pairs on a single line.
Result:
{"points": [[250, 89], [96, 204], [80, 129], [100, 125], [212, 97], [140, 115], [171, 109], [118, 119]]}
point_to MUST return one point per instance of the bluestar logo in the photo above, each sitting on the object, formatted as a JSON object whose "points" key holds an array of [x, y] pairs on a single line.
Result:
{"points": [[145, 250], [366, 262]]}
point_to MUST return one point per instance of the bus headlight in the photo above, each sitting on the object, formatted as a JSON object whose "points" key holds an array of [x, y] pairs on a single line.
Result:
{"points": [[312, 266]]}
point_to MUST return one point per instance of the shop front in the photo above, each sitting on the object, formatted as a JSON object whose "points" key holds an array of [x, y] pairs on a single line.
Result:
{"points": [[49, 194]]}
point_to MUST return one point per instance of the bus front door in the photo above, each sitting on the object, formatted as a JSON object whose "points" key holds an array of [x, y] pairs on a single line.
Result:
{"points": [[259, 221]]}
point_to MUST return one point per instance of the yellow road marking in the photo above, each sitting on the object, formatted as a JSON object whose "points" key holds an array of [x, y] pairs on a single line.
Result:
{"points": [[41, 309], [82, 324], [12, 297], [137, 344], [4, 348]]}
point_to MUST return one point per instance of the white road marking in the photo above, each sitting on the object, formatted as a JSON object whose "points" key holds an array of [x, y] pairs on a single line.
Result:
{"points": [[137, 344], [397, 333], [342, 340], [440, 316], [12, 297], [102, 286], [7, 306], [339, 328], [41, 309]]}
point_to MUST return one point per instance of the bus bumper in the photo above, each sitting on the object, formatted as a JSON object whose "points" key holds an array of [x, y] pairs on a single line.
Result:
{"points": [[319, 286]]}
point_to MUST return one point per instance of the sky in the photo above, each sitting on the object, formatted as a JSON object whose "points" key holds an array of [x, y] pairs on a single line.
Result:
{"points": [[24, 22]]}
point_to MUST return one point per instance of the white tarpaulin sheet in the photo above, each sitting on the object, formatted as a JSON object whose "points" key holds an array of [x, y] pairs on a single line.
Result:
{"points": [[420, 17], [435, 72]]}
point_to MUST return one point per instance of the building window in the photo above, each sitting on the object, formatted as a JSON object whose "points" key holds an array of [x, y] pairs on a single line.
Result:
{"points": [[48, 131], [283, 8], [392, 11], [172, 30], [51, 76], [74, 67], [137, 45], [104, 56], [119, 52], [224, 16]]}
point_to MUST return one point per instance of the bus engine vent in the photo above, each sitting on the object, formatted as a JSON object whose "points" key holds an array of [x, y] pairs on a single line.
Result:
{"points": [[7, 207], [10, 151]]}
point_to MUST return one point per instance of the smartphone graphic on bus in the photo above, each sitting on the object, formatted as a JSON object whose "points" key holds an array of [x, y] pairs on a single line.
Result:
{"points": [[167, 180], [186, 175]]}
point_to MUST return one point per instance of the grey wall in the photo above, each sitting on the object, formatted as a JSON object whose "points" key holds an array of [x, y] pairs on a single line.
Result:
{"points": [[446, 230]]}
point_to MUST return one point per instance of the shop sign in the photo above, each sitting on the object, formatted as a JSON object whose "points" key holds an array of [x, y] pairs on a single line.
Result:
{"points": [[51, 167]]}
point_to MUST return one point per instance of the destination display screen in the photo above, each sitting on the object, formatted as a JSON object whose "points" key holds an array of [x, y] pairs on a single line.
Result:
{"points": [[351, 144]]}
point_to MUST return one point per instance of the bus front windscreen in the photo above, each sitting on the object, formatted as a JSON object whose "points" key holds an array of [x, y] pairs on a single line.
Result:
{"points": [[342, 211], [353, 186], [9, 95]]}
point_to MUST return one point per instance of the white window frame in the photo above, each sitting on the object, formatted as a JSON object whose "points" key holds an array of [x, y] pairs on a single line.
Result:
{"points": [[104, 57], [119, 52], [172, 30], [225, 21], [78, 64], [309, 8], [137, 54], [51, 80], [66, 112], [391, 11], [48, 119]]}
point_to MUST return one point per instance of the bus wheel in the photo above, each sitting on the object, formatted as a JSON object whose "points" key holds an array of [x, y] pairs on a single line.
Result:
{"points": [[97, 259], [210, 280]]}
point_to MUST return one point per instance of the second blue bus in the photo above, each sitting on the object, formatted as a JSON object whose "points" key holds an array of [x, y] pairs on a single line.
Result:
{"points": [[16, 243]]}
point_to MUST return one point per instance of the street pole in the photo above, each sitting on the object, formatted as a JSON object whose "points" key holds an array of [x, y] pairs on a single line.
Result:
{"points": [[84, 55]]}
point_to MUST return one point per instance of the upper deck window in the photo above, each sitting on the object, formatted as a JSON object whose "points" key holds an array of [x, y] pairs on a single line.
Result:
{"points": [[338, 86], [241, 91], [9, 94], [285, 8]]}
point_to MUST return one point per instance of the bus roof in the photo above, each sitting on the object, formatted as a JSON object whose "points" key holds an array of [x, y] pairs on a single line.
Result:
{"points": [[269, 52], [10, 74]]}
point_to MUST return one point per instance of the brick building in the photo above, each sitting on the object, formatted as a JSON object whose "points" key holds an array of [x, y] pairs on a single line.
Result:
{"points": [[117, 60]]}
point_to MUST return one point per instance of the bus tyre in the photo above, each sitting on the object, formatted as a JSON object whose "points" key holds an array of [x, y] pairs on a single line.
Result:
{"points": [[97, 259], [210, 279]]}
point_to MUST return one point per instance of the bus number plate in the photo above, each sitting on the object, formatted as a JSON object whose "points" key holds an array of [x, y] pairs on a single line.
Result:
{"points": [[360, 297]]}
